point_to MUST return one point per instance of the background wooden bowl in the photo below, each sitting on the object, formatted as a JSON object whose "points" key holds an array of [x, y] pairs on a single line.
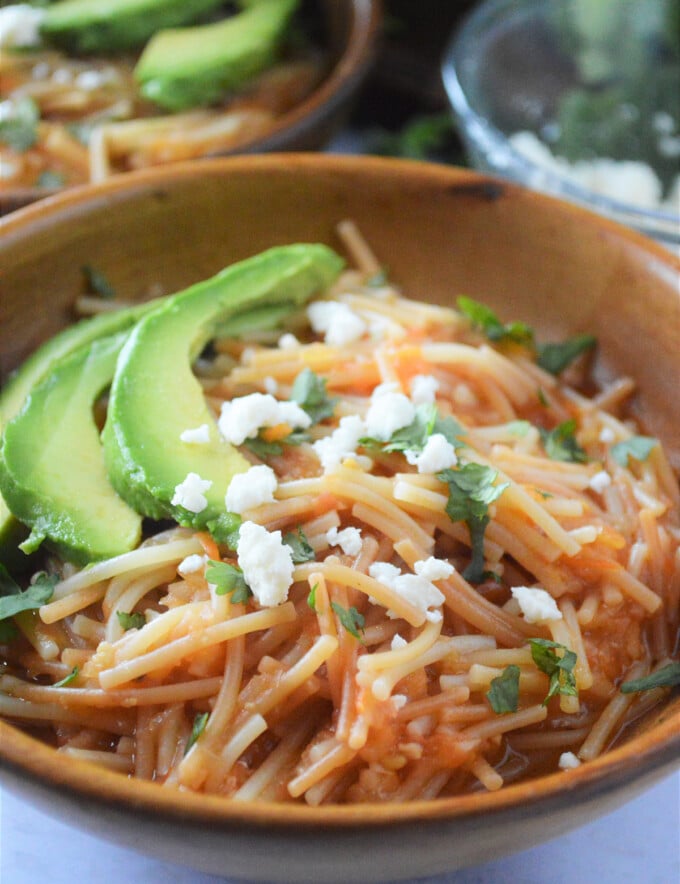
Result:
{"points": [[441, 232], [352, 31]]}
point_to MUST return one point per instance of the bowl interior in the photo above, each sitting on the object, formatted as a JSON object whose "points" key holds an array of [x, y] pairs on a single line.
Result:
{"points": [[441, 232]]}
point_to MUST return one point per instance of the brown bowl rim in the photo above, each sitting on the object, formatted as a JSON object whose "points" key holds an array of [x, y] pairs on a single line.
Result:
{"points": [[638, 759], [335, 88]]}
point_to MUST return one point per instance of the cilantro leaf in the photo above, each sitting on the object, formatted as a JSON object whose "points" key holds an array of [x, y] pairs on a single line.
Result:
{"points": [[225, 528], [97, 283], [131, 621], [666, 677], [426, 422], [14, 600], [350, 618], [559, 669], [637, 447], [309, 391], [471, 492], [554, 358], [228, 580], [483, 318], [263, 449], [302, 551], [561, 444], [50, 179], [200, 721], [311, 598], [72, 676], [19, 129], [503, 693]]}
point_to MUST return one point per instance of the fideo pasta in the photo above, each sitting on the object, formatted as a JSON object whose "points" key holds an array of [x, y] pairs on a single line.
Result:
{"points": [[440, 582]]}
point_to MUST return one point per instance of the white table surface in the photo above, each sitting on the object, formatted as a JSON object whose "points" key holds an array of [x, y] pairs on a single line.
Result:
{"points": [[638, 844]]}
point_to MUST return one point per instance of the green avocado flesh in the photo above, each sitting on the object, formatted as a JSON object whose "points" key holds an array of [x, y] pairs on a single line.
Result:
{"points": [[52, 472], [197, 66], [36, 367], [100, 26], [155, 396]]}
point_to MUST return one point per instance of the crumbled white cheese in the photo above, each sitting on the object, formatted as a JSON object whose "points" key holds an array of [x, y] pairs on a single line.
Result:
{"points": [[266, 562], [288, 342], [243, 417], [341, 443], [337, 322], [196, 436], [569, 761], [252, 488], [20, 26], [271, 385], [389, 411], [536, 604], [413, 588], [398, 642], [349, 540], [90, 80], [399, 701], [433, 569], [423, 389], [607, 435], [192, 564], [438, 454], [190, 493], [600, 481]]}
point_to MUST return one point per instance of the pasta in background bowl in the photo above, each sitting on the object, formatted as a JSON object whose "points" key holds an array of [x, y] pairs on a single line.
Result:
{"points": [[440, 234]]}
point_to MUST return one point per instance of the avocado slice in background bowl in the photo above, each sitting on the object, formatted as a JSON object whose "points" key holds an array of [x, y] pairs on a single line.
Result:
{"points": [[100, 26], [197, 66]]}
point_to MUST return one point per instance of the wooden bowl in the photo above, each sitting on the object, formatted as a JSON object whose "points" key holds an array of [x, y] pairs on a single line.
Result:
{"points": [[442, 232], [352, 30]]}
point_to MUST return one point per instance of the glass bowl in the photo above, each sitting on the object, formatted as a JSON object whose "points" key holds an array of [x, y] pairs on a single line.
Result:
{"points": [[577, 99]]}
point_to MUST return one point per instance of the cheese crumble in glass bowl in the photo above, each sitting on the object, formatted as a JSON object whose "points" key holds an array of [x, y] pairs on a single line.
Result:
{"points": [[577, 99]]}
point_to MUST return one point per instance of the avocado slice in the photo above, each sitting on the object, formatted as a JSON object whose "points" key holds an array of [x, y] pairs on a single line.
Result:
{"points": [[52, 471], [100, 26], [155, 396], [18, 387], [193, 67]]}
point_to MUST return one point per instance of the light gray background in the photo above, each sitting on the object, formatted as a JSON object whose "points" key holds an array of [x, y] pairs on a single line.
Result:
{"points": [[638, 844]]}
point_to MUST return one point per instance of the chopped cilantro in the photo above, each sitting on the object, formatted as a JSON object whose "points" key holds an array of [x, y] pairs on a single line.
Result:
{"points": [[554, 358], [97, 283], [560, 669], [542, 398], [666, 677], [225, 528], [311, 598], [263, 449], [350, 618], [71, 677], [50, 179], [518, 428], [200, 721], [561, 444], [503, 693], [414, 437], [309, 391], [228, 580], [483, 318], [471, 491], [14, 600], [379, 279], [19, 129], [299, 545], [131, 621], [637, 447]]}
